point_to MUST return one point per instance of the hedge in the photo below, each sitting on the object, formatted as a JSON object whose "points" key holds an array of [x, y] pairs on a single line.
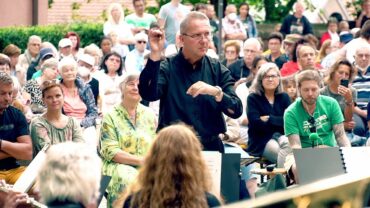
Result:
{"points": [[88, 32]]}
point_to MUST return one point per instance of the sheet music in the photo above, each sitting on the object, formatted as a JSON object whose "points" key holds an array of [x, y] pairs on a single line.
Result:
{"points": [[355, 159], [28, 177], [213, 160]]}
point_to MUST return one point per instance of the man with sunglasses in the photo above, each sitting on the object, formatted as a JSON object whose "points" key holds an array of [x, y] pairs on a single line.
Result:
{"points": [[192, 87], [310, 114], [134, 62], [15, 141]]}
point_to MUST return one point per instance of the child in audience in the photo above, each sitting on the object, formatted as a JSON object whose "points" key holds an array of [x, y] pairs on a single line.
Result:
{"points": [[290, 87]]}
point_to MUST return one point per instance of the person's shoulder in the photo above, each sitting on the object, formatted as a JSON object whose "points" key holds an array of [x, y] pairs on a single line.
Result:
{"points": [[327, 99], [294, 105], [237, 64], [13, 111]]}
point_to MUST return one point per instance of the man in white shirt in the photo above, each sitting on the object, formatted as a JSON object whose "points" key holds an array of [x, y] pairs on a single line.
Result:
{"points": [[134, 62]]}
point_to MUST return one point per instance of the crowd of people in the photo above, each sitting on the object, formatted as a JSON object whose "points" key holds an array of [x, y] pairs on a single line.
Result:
{"points": [[122, 102]]}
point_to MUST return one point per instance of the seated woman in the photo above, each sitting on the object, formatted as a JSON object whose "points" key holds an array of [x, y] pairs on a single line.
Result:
{"points": [[266, 105], [173, 177], [53, 127], [111, 66], [340, 75], [49, 71], [79, 100], [70, 176], [231, 50], [126, 135]]}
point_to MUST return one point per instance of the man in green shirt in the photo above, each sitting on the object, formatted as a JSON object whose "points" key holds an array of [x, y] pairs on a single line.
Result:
{"points": [[313, 113], [139, 20]]}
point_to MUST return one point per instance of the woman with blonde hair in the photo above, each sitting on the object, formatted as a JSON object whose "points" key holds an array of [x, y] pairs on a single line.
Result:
{"points": [[327, 47], [173, 177], [115, 23]]}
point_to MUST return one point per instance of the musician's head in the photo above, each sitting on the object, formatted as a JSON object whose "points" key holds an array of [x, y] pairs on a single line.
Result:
{"points": [[71, 172]]}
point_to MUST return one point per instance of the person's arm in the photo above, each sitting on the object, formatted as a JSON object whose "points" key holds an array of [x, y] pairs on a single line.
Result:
{"points": [[77, 131], [21, 150], [153, 77], [256, 119], [359, 19], [307, 26], [4, 155], [294, 141], [39, 135], [347, 95], [92, 111], [340, 135], [360, 112]]}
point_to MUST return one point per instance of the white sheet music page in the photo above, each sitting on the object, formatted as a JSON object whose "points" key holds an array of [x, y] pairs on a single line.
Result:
{"points": [[356, 160], [214, 160]]}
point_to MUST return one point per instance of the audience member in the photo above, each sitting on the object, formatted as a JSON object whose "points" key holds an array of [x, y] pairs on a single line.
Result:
{"points": [[49, 71], [345, 95], [86, 65], [193, 88], [289, 43], [170, 16], [53, 126], [139, 20], [134, 62], [172, 183], [112, 66], [33, 70], [266, 105], [296, 23], [275, 40], [231, 50], [343, 26], [210, 12], [94, 51], [15, 142], [65, 48], [364, 14], [242, 67], [356, 43], [361, 84], [332, 33], [106, 45], [126, 134], [13, 52], [79, 100], [232, 27], [116, 23], [312, 113], [29, 55], [117, 46], [248, 21], [290, 87], [327, 47], [70, 176], [76, 43]]}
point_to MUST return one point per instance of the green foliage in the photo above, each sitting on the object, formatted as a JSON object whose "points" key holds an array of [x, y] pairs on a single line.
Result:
{"points": [[50, 3], [76, 6], [152, 10], [88, 32], [275, 11]]}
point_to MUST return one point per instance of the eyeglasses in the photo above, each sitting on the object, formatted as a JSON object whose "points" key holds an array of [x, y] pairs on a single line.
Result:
{"points": [[312, 123], [200, 36], [231, 52], [268, 77], [141, 42]]}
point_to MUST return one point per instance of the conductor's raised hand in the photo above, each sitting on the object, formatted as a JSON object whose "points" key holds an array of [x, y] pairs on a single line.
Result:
{"points": [[156, 41]]}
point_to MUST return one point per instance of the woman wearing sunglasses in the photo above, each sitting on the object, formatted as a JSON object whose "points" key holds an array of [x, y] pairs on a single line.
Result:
{"points": [[53, 127], [265, 110]]}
